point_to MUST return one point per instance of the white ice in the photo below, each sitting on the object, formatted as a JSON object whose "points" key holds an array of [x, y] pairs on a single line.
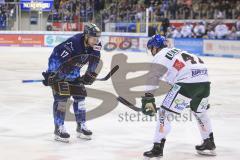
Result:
{"points": [[26, 123]]}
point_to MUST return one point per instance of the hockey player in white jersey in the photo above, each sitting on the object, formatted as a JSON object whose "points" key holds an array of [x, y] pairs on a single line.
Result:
{"points": [[188, 76]]}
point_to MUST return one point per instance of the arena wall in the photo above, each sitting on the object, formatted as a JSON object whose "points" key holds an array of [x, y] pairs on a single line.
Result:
{"points": [[133, 43]]}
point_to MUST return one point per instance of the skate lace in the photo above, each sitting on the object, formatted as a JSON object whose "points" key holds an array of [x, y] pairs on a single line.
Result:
{"points": [[62, 129], [84, 127]]}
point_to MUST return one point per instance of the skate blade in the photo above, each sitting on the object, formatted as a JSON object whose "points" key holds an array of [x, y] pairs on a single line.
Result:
{"points": [[207, 153], [153, 158], [65, 140], [82, 136]]}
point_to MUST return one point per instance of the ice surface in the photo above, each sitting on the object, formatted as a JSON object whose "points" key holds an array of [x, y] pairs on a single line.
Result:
{"points": [[26, 124]]}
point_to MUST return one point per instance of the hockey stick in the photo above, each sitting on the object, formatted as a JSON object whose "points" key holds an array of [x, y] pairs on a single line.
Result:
{"points": [[31, 80], [98, 79], [109, 74], [133, 107], [128, 104]]}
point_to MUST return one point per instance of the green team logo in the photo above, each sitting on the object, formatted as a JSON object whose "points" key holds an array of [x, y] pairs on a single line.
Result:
{"points": [[179, 101], [180, 104]]}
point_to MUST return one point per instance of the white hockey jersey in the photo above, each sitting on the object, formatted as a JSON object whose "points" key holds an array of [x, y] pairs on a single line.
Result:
{"points": [[181, 66]]}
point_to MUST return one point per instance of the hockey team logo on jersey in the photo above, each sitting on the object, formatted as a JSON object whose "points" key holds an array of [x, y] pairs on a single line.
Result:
{"points": [[97, 48], [198, 72], [171, 95], [180, 104], [178, 65]]}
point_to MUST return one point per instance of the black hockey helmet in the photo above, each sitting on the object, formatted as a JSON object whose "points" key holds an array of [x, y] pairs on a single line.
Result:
{"points": [[92, 29]]}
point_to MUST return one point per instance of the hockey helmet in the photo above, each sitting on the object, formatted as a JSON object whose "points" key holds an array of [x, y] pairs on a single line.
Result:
{"points": [[157, 41], [92, 30]]}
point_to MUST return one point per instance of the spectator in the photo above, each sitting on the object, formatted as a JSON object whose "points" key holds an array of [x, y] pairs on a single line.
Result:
{"points": [[199, 30], [173, 9], [211, 34], [221, 31], [169, 33], [238, 28], [186, 30], [177, 33], [164, 24], [89, 12], [227, 9], [3, 21], [238, 23], [232, 34], [195, 9]]}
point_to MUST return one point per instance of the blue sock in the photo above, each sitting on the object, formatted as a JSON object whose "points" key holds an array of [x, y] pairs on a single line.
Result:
{"points": [[79, 111], [59, 109]]}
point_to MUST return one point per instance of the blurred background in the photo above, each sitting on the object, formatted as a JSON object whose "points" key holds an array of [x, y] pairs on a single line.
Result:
{"points": [[173, 18], [201, 19]]}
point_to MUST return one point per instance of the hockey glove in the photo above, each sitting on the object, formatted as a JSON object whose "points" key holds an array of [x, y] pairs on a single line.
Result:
{"points": [[148, 104], [89, 78], [49, 78]]}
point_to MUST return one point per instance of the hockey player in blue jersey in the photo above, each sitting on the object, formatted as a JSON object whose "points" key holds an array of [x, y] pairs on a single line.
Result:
{"points": [[63, 75]]}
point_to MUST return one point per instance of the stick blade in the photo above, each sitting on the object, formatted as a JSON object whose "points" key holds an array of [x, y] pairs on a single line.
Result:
{"points": [[128, 104]]}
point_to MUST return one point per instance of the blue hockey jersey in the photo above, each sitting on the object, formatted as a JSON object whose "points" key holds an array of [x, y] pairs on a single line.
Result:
{"points": [[73, 47]]}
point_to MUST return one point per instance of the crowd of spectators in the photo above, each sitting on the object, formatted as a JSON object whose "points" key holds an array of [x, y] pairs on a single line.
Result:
{"points": [[202, 29], [7, 13], [128, 11], [133, 10], [70, 10], [3, 17]]}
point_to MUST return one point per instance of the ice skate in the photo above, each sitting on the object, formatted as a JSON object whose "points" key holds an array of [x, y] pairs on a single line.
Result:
{"points": [[83, 132], [156, 152], [61, 134], [207, 147]]}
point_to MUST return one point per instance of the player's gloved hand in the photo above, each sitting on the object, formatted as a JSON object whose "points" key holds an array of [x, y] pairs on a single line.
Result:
{"points": [[148, 104], [49, 78], [88, 78]]}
